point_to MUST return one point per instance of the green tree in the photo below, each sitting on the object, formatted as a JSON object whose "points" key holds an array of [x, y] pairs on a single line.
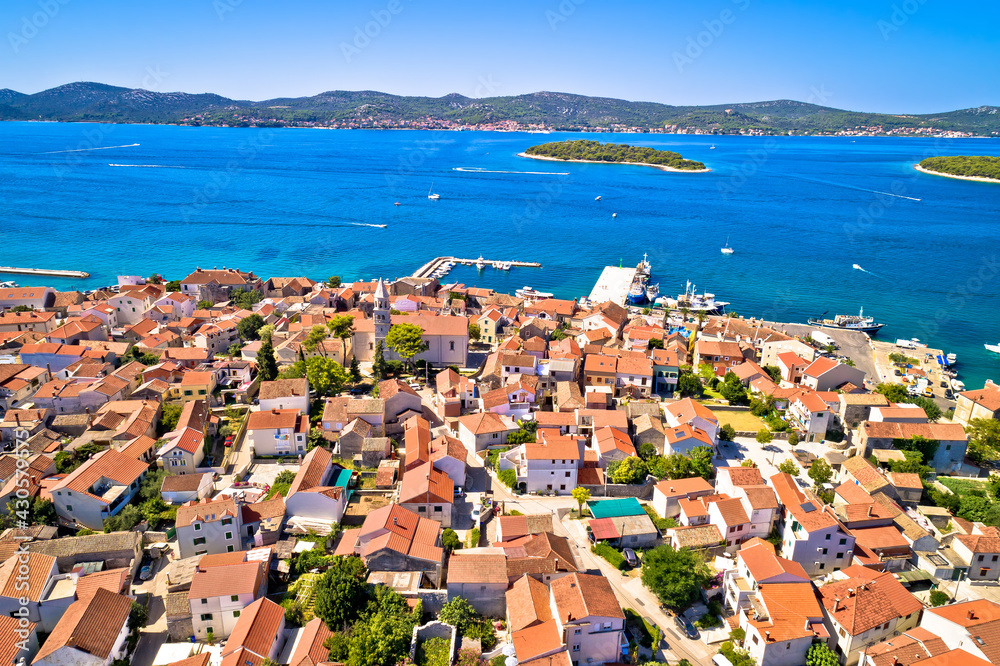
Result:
{"points": [[926, 447], [820, 472], [632, 470], [205, 304], [788, 466], [793, 439], [333, 281], [407, 340], [677, 466], [701, 462], [654, 343], [133, 353], [267, 366], [126, 519], [774, 372], [379, 367], [265, 332], [984, 440], [821, 655], [475, 333], [249, 327], [173, 285], [689, 386], [675, 576], [169, 416], [325, 375], [43, 512], [342, 592], [581, 495], [727, 433], [342, 328], [355, 371], [893, 392], [317, 335], [939, 598], [733, 390], [138, 616], [450, 540], [459, 613], [244, 298], [913, 463], [234, 349], [764, 436]]}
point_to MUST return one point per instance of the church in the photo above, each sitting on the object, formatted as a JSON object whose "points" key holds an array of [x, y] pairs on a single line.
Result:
{"points": [[447, 337]]}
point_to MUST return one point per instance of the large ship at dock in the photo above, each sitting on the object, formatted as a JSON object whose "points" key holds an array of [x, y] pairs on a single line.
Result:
{"points": [[858, 322], [694, 302], [637, 291]]}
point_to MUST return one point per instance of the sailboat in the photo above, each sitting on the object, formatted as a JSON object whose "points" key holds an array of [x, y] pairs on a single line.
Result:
{"points": [[712, 147], [727, 249], [431, 195]]}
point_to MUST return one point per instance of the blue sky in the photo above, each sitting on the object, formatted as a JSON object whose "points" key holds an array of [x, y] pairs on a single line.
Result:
{"points": [[916, 56]]}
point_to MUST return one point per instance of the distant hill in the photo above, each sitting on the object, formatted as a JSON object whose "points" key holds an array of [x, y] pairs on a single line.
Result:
{"points": [[541, 110]]}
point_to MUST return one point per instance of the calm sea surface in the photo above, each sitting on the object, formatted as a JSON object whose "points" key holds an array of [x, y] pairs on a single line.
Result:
{"points": [[800, 212]]}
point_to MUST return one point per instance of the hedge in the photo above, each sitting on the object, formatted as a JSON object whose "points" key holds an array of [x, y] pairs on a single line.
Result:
{"points": [[610, 554]]}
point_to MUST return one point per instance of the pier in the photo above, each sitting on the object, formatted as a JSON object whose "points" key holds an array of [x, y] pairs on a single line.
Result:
{"points": [[434, 265], [613, 285], [44, 271]]}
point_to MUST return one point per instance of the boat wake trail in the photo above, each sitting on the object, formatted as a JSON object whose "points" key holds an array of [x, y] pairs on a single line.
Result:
{"points": [[148, 166], [82, 150], [362, 224], [858, 268], [532, 173], [850, 187]]}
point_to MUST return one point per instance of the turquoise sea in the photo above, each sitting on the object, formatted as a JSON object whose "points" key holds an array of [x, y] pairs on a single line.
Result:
{"points": [[799, 212]]}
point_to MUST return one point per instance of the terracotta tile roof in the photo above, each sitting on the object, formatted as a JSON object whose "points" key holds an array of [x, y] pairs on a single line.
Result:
{"points": [[403, 531], [196, 660], [852, 493], [245, 578], [485, 422], [426, 485], [808, 513], [761, 497], [979, 544], [683, 487], [112, 580], [792, 609], [685, 410], [309, 651], [988, 397], [278, 418], [257, 628], [513, 527], [484, 568], [762, 563], [553, 448], [109, 464], [580, 596], [610, 439], [206, 511], [527, 603], [880, 538], [697, 536], [969, 613], [905, 480], [742, 476], [866, 474], [13, 580], [89, 625], [949, 432], [867, 599], [732, 512], [538, 639], [263, 510], [312, 471], [284, 388], [910, 647], [178, 483]]}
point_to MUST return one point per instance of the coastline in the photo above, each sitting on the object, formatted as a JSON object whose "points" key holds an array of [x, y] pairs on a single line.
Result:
{"points": [[661, 167], [981, 179]]}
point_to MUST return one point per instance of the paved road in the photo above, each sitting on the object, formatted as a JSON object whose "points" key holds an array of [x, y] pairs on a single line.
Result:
{"points": [[852, 344]]}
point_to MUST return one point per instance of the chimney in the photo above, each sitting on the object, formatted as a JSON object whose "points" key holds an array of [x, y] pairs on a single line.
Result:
{"points": [[895, 660], [850, 592], [971, 614], [836, 604], [17, 418], [869, 510], [767, 636]]}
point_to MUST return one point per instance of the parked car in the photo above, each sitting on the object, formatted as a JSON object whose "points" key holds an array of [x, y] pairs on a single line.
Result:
{"points": [[459, 491], [361, 390], [229, 441], [477, 513], [686, 627], [948, 394], [415, 386], [146, 572], [630, 557]]}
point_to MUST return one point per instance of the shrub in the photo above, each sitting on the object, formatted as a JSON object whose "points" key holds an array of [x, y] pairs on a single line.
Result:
{"points": [[473, 537], [939, 598], [450, 540], [727, 433], [610, 554], [508, 477]]}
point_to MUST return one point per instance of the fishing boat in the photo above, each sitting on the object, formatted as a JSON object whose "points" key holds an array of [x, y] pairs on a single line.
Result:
{"points": [[695, 302], [957, 385], [480, 263], [396, 204], [506, 266], [993, 348], [637, 293], [431, 195], [652, 292], [952, 359], [858, 322], [726, 249], [528, 292]]}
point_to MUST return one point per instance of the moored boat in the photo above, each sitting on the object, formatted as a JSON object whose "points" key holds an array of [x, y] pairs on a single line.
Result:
{"points": [[993, 348], [858, 322], [528, 292]]}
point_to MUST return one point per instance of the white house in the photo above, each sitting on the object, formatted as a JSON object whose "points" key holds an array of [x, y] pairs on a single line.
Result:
{"points": [[219, 594], [92, 632], [98, 489], [278, 432], [285, 394]]}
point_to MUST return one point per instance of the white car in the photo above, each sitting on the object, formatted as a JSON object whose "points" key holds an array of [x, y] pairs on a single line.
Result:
{"points": [[477, 512]]}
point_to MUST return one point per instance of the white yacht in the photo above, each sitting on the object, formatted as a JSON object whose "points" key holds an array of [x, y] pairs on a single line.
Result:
{"points": [[431, 195]]}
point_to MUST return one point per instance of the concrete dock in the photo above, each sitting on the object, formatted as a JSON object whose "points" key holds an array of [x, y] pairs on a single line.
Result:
{"points": [[428, 269], [613, 285], [44, 271]]}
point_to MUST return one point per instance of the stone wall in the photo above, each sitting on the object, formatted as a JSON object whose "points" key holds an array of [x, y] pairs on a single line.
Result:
{"points": [[433, 600], [643, 491], [434, 629]]}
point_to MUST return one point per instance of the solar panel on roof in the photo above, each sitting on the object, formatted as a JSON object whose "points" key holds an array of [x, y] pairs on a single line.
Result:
{"points": [[808, 507]]}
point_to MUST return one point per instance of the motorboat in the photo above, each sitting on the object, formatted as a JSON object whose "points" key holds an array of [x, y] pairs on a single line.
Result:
{"points": [[993, 348], [431, 195]]}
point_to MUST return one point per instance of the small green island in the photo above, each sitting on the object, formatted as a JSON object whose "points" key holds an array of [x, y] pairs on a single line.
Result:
{"points": [[618, 153], [966, 167]]}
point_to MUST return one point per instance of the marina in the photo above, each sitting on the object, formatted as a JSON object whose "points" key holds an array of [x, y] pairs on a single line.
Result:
{"points": [[441, 266], [613, 285], [44, 271]]}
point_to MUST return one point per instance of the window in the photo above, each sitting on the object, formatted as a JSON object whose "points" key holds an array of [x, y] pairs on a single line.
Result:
{"points": [[229, 535], [201, 552], [227, 521], [206, 617], [234, 597], [69, 507], [437, 509], [421, 509], [577, 632], [562, 487], [199, 541], [824, 551], [754, 639], [452, 345], [840, 556], [205, 601], [208, 630], [576, 647], [984, 571], [229, 549], [236, 613], [828, 536], [843, 542], [196, 526], [567, 475]]}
